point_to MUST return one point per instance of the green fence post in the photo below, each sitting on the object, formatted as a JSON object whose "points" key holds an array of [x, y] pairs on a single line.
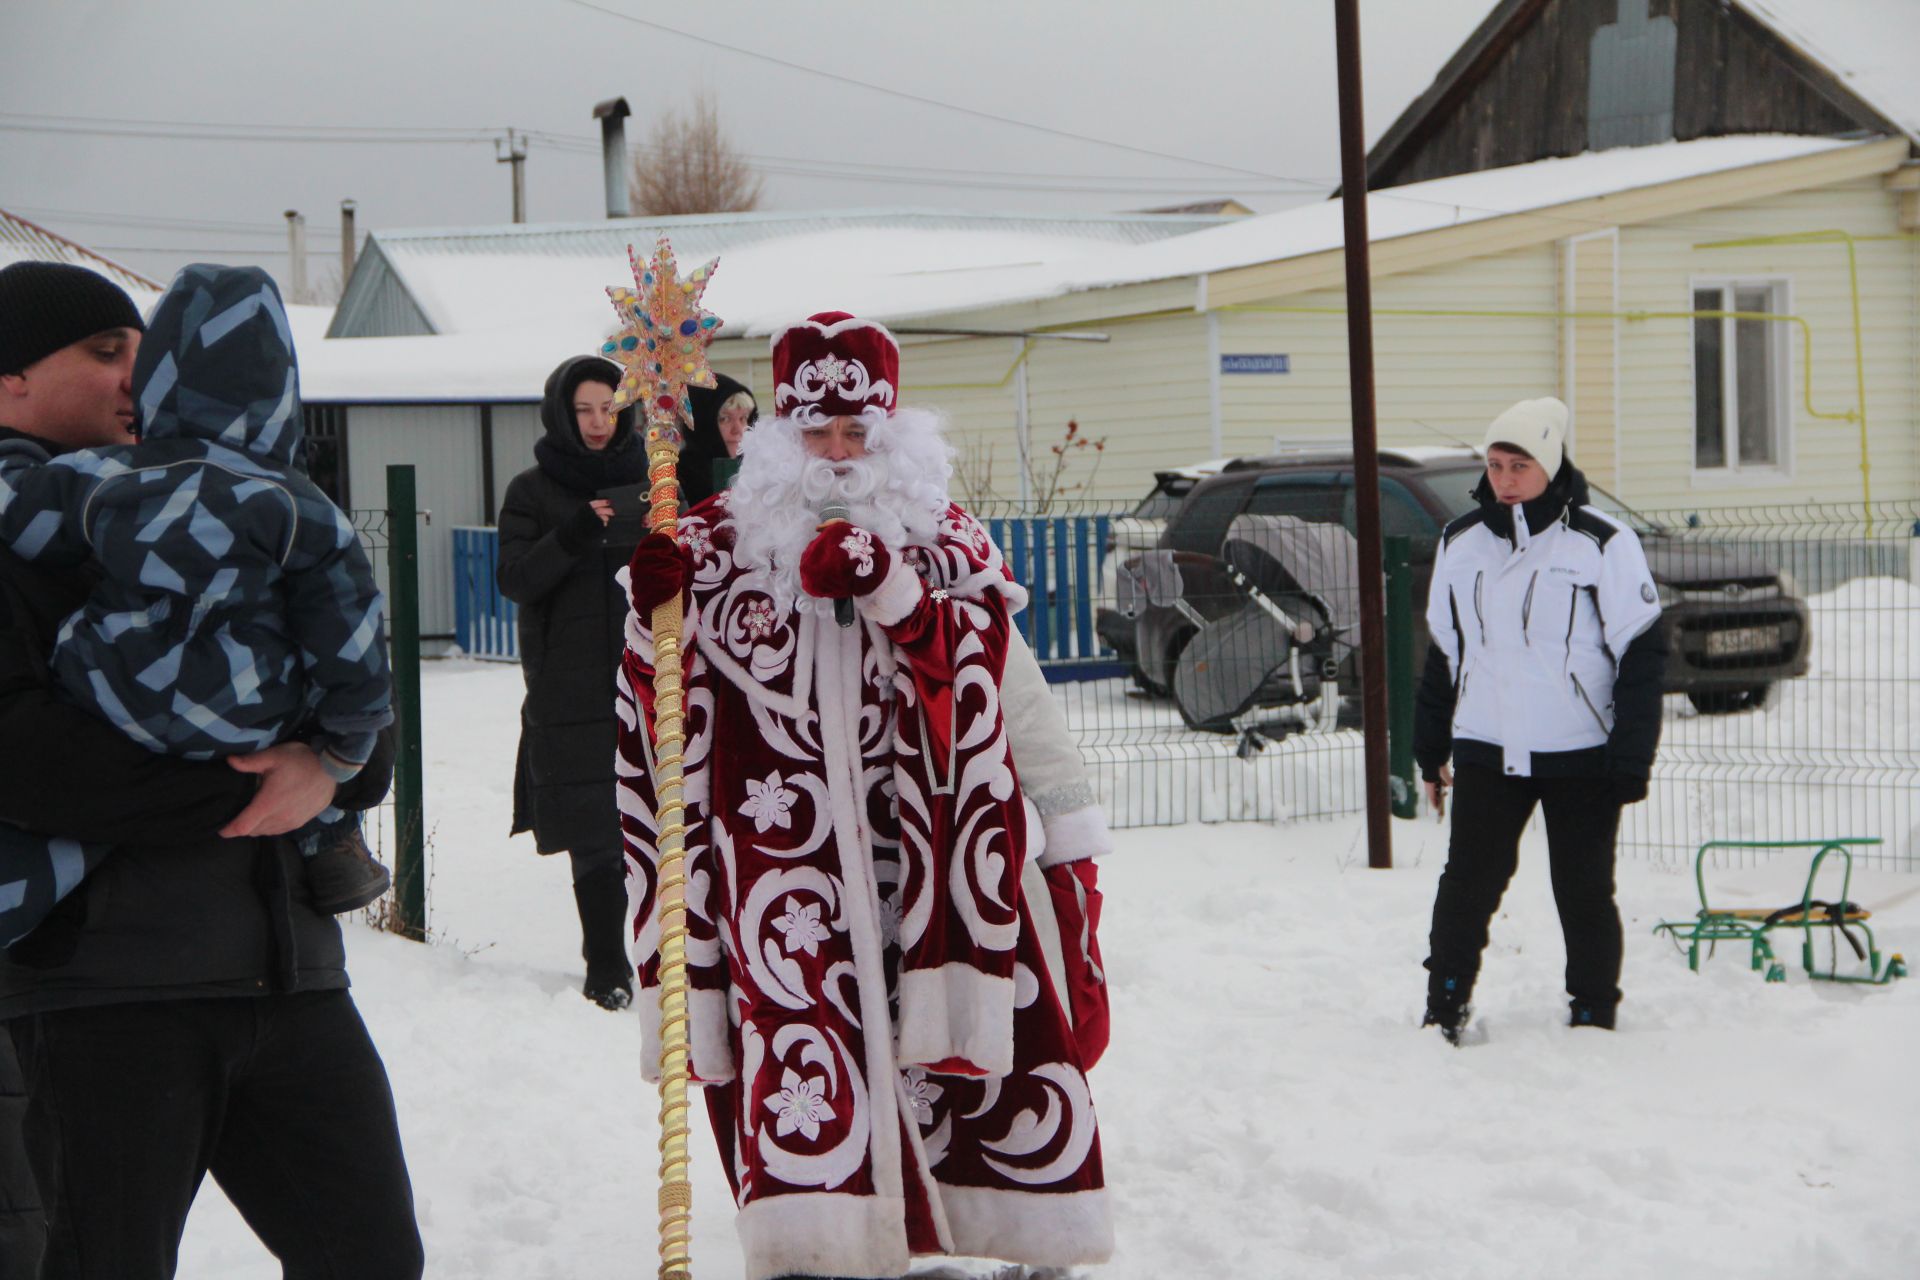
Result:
{"points": [[403, 622], [1405, 794]]}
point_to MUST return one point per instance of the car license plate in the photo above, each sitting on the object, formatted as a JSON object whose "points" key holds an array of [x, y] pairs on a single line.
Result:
{"points": [[1736, 640]]}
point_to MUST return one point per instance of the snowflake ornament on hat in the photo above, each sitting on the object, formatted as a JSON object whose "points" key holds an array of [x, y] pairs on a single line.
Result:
{"points": [[834, 365]]}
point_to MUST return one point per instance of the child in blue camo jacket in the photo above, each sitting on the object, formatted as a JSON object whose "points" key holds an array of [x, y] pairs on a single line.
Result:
{"points": [[235, 604]]}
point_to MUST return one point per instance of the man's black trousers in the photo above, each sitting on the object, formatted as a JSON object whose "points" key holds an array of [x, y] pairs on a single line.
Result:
{"points": [[1490, 810], [282, 1098]]}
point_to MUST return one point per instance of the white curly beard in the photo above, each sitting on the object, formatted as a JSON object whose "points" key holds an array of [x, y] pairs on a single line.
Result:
{"points": [[898, 493]]}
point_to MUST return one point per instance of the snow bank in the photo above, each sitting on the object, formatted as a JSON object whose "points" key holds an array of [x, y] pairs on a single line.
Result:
{"points": [[1268, 1107]]}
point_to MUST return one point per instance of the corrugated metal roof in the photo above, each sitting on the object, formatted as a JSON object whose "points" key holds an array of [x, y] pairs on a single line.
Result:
{"points": [[376, 302], [24, 241], [383, 289]]}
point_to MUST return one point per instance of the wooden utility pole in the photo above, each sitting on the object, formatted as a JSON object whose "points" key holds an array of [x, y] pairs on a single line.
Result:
{"points": [[514, 152], [1366, 446]]}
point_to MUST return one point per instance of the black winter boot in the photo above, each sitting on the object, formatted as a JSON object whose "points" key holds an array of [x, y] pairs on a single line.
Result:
{"points": [[1587, 1013], [601, 897], [1447, 1005]]}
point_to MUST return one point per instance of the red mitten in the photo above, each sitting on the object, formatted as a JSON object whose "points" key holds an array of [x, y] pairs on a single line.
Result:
{"points": [[842, 561], [1076, 905], [660, 569]]}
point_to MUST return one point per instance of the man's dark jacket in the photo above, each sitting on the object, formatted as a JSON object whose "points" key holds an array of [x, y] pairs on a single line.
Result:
{"points": [[175, 910]]}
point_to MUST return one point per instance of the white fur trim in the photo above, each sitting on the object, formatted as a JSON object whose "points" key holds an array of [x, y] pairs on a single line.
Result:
{"points": [[824, 1234], [837, 659], [956, 1011], [707, 1025], [1061, 1229], [895, 597], [1046, 932], [1074, 836]]}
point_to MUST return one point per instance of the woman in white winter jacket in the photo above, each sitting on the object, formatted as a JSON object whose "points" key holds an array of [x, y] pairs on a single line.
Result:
{"points": [[1543, 684]]}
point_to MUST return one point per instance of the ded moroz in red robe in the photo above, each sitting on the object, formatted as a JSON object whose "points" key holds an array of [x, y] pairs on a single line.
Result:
{"points": [[878, 1001]]}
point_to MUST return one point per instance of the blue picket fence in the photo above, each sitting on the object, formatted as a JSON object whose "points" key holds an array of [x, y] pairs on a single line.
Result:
{"points": [[485, 623], [1057, 558]]}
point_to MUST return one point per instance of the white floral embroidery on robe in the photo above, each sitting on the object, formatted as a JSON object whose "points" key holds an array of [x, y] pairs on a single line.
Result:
{"points": [[768, 803], [800, 1106]]}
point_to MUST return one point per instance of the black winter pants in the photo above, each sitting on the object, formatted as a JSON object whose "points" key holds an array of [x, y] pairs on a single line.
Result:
{"points": [[23, 1219], [282, 1098], [1490, 810]]}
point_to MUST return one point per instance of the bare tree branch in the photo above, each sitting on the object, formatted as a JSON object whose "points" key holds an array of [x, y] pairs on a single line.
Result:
{"points": [[687, 165]]}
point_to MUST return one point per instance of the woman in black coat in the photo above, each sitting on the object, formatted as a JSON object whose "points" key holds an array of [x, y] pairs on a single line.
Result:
{"points": [[557, 561]]}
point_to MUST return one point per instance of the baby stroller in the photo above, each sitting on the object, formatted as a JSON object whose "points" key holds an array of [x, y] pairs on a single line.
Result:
{"points": [[1283, 645]]}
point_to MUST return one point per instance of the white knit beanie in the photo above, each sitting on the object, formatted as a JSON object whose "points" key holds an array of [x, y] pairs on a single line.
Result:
{"points": [[1536, 427]]}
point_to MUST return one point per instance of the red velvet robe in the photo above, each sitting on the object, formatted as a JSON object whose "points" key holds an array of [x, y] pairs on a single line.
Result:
{"points": [[878, 1009]]}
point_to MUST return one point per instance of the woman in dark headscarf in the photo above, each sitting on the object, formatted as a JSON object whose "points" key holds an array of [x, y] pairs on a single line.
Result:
{"points": [[557, 561], [721, 415]]}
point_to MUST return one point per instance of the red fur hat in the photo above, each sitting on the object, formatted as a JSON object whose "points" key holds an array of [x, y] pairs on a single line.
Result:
{"points": [[832, 365]]}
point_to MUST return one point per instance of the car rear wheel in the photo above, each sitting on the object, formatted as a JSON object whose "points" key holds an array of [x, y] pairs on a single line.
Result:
{"points": [[1720, 702]]}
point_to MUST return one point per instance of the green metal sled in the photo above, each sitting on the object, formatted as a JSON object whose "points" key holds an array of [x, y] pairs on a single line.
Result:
{"points": [[1842, 917]]}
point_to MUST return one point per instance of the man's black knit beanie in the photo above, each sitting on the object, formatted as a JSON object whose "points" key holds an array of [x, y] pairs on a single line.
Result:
{"points": [[45, 306]]}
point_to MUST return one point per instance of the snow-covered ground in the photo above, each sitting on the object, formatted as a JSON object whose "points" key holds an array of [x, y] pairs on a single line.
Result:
{"points": [[1268, 1107]]}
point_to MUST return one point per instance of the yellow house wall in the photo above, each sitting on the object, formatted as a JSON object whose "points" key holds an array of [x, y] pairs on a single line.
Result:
{"points": [[1659, 262], [1438, 379], [1591, 337]]}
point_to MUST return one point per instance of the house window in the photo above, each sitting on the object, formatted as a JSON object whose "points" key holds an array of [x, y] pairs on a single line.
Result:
{"points": [[1740, 416]]}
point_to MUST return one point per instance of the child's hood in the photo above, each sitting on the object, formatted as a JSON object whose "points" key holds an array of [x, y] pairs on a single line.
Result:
{"points": [[217, 365]]}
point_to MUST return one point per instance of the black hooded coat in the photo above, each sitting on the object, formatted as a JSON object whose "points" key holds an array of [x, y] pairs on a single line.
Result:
{"points": [[557, 565]]}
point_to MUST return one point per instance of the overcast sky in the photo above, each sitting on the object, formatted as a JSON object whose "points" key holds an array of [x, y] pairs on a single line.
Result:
{"points": [[166, 131]]}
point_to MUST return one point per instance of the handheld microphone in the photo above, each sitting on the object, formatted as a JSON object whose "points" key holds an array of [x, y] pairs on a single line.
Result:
{"points": [[837, 513]]}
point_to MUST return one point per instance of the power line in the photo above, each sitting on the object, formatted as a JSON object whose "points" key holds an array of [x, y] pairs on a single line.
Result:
{"points": [[173, 224], [238, 134], [808, 169], [908, 175], [902, 94]]}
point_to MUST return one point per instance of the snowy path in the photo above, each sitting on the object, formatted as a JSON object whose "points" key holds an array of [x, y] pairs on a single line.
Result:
{"points": [[1268, 1108]]}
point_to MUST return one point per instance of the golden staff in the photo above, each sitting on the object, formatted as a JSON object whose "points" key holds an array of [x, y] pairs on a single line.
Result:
{"points": [[662, 345]]}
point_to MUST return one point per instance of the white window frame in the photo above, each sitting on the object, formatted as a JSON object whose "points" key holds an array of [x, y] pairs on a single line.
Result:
{"points": [[1734, 472]]}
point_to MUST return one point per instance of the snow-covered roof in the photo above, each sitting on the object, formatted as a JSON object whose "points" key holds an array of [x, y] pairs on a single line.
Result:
{"points": [[514, 315], [1869, 45], [24, 241], [480, 279], [1449, 202], [760, 285]]}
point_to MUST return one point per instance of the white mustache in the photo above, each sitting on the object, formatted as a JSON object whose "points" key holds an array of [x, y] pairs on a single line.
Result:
{"points": [[845, 482]]}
